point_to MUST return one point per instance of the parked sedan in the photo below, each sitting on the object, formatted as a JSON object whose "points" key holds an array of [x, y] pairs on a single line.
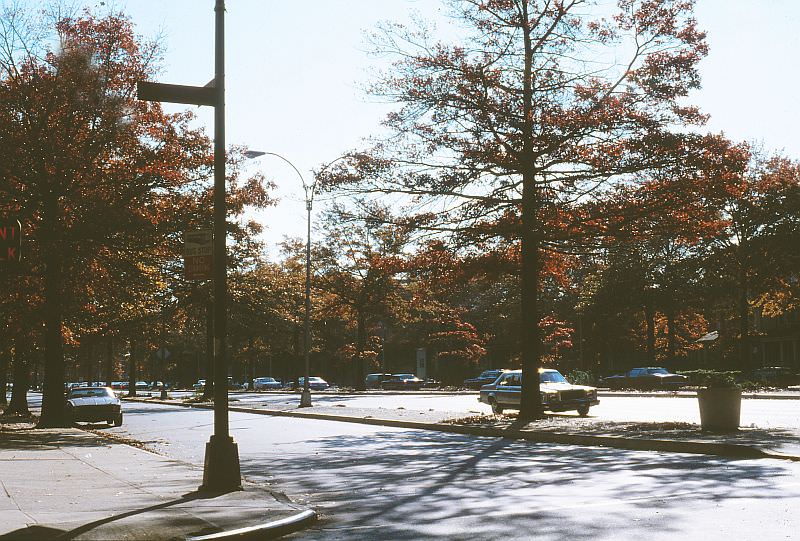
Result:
{"points": [[557, 393], [314, 383], [650, 378], [778, 376], [93, 405], [263, 384], [486, 377], [373, 381], [402, 382]]}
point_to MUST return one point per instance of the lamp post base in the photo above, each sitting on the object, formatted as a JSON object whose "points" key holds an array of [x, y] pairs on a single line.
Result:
{"points": [[221, 470], [305, 399]]}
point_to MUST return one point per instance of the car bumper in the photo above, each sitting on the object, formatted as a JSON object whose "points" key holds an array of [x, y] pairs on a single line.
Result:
{"points": [[564, 405], [95, 414], [569, 405]]}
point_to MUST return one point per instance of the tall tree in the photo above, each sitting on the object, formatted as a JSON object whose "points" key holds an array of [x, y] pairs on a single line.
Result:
{"points": [[358, 265], [538, 105], [93, 171], [754, 250]]}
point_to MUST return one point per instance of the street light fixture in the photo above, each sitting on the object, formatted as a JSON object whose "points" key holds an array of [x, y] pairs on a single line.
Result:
{"points": [[309, 190]]}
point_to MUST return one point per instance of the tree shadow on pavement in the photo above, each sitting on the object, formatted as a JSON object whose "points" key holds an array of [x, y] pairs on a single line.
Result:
{"points": [[32, 533], [40, 439], [415, 485], [45, 533]]}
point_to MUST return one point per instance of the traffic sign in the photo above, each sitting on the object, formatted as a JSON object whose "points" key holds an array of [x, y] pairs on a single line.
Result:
{"points": [[198, 254]]}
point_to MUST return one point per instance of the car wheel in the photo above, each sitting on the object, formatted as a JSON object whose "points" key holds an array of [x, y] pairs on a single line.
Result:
{"points": [[583, 411], [496, 408], [118, 420]]}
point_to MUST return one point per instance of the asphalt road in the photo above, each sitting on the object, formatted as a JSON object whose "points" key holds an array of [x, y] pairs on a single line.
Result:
{"points": [[762, 413], [383, 483]]}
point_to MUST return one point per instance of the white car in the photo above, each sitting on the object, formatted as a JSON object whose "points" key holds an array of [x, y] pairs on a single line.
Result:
{"points": [[263, 384], [557, 393], [94, 404]]}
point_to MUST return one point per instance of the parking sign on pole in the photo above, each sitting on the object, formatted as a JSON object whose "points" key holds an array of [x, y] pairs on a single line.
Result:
{"points": [[197, 254]]}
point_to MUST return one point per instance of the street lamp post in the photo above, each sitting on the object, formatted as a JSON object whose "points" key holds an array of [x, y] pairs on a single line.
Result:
{"points": [[309, 190], [305, 395]]}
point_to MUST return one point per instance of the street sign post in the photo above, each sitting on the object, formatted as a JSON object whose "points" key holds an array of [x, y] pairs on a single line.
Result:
{"points": [[197, 254], [221, 471]]}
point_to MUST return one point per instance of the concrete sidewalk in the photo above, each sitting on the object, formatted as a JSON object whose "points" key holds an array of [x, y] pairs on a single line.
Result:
{"points": [[72, 484]]}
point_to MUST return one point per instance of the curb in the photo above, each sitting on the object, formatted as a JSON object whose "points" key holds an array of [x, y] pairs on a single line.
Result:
{"points": [[729, 450], [691, 394], [268, 530]]}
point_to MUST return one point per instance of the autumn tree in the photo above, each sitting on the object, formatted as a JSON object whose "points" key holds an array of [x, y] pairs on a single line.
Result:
{"points": [[94, 172], [536, 107], [358, 265], [755, 251]]}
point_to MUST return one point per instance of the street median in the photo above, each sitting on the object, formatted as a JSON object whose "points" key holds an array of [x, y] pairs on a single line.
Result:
{"points": [[742, 444]]}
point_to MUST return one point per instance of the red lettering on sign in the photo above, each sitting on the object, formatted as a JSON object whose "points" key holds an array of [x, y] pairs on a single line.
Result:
{"points": [[12, 254], [7, 231]]}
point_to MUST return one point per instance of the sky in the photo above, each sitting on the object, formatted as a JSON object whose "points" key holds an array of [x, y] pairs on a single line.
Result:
{"points": [[296, 72]]}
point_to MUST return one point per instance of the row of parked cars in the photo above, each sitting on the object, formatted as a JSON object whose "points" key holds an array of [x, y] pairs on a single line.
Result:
{"points": [[399, 382], [116, 385], [389, 382], [637, 378]]}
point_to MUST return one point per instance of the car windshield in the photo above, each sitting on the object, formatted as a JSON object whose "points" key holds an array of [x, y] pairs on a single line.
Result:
{"points": [[490, 374], [552, 377], [657, 371], [86, 393], [266, 380], [404, 376]]}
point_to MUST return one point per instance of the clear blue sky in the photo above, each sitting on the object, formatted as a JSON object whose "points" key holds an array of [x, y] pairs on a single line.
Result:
{"points": [[295, 70]]}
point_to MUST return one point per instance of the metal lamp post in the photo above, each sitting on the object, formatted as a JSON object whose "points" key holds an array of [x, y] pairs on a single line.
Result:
{"points": [[308, 189], [305, 395]]}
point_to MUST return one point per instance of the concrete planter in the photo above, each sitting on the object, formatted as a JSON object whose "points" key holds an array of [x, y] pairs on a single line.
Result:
{"points": [[720, 408]]}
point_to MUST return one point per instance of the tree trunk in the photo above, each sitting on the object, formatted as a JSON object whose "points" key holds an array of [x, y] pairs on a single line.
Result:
{"points": [[530, 339], [133, 360], [361, 326], [252, 367], [237, 369], [19, 395], [670, 333], [109, 372], [86, 346], [651, 331], [744, 331], [54, 410]]}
